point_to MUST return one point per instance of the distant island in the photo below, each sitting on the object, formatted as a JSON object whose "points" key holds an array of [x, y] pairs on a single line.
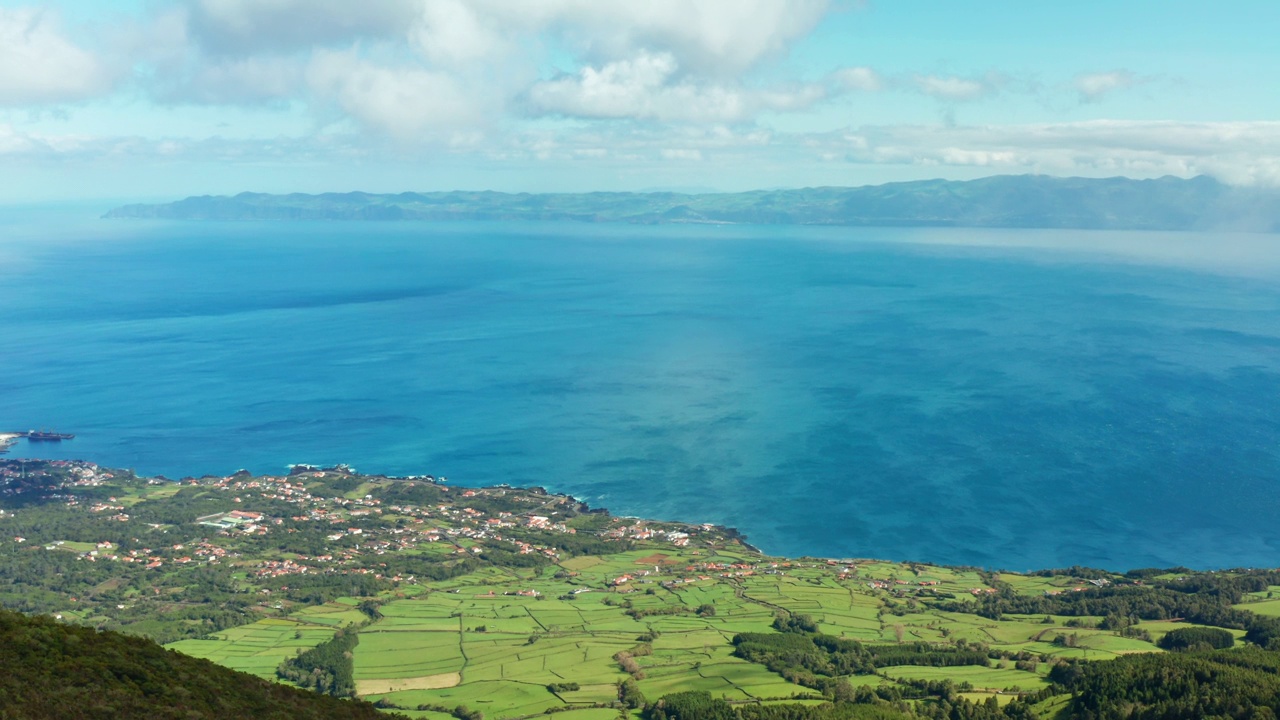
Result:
{"points": [[1003, 201]]}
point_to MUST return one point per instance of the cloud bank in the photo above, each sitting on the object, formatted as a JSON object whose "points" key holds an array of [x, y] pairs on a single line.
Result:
{"points": [[703, 83], [40, 65]]}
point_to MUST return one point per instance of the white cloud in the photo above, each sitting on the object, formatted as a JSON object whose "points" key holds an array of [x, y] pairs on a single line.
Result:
{"points": [[277, 26], [1237, 152], [858, 79], [619, 89], [247, 80], [1093, 86], [644, 87], [178, 71], [13, 142], [664, 60], [716, 37], [407, 103], [681, 154], [662, 80], [454, 33], [40, 65], [1246, 153], [953, 88], [708, 37]]}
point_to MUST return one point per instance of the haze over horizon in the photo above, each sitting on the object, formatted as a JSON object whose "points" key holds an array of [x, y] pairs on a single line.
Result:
{"points": [[159, 100]]}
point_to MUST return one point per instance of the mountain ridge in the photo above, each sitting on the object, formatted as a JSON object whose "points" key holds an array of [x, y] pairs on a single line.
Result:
{"points": [[999, 201]]}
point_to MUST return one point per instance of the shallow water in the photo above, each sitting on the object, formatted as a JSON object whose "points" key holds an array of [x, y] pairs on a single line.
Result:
{"points": [[1014, 399]]}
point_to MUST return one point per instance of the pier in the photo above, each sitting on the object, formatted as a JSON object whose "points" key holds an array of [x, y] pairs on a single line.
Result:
{"points": [[46, 436], [9, 439]]}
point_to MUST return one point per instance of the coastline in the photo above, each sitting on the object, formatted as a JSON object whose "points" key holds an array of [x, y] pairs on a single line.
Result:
{"points": [[442, 481], [729, 531], [319, 548]]}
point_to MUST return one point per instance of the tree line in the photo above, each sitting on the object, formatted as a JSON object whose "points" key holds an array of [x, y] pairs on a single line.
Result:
{"points": [[326, 668]]}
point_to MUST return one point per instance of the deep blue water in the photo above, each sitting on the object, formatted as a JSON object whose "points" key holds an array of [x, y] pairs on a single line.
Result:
{"points": [[1015, 399]]}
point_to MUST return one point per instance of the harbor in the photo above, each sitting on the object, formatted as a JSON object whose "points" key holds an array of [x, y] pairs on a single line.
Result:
{"points": [[9, 439]]}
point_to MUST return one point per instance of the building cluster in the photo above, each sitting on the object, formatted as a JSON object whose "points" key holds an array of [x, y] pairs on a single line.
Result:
{"points": [[277, 568], [359, 528], [347, 534], [639, 530]]}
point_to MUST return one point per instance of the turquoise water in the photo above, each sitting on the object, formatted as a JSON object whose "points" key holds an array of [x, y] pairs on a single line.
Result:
{"points": [[1015, 399]]}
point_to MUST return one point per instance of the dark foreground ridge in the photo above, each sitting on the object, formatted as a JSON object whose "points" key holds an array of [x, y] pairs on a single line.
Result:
{"points": [[57, 670], [1003, 201]]}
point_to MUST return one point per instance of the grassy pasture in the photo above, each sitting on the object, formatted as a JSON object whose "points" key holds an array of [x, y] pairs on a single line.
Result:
{"points": [[138, 494], [979, 697], [581, 563], [587, 694], [1035, 585], [256, 648], [496, 699], [429, 682], [1269, 608], [394, 654], [588, 714], [753, 680], [1159, 628], [74, 546], [657, 686], [467, 641], [336, 614], [1271, 592], [1014, 632], [1107, 642], [584, 660], [980, 677]]}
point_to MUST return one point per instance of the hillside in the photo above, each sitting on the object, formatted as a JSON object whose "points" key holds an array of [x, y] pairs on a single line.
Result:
{"points": [[443, 602], [1023, 201], [55, 670]]}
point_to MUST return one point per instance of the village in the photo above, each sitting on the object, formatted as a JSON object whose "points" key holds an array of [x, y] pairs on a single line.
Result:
{"points": [[271, 544], [357, 529]]}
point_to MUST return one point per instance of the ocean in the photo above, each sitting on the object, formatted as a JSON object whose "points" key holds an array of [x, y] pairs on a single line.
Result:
{"points": [[1011, 399]]}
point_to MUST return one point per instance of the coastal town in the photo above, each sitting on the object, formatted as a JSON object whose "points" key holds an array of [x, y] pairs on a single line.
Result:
{"points": [[284, 539], [312, 525], [252, 544]]}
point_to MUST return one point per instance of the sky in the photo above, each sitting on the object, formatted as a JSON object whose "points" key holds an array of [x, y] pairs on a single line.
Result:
{"points": [[161, 99]]}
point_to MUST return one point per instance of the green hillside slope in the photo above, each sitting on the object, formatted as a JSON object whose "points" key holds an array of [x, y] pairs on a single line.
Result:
{"points": [[55, 670]]}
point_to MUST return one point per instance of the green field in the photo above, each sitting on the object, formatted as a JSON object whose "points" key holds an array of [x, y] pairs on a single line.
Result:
{"points": [[517, 602], [257, 648], [495, 639], [473, 641], [1263, 607], [982, 678]]}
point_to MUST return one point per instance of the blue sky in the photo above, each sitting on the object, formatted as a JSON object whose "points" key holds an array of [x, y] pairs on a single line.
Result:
{"points": [[154, 99]]}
